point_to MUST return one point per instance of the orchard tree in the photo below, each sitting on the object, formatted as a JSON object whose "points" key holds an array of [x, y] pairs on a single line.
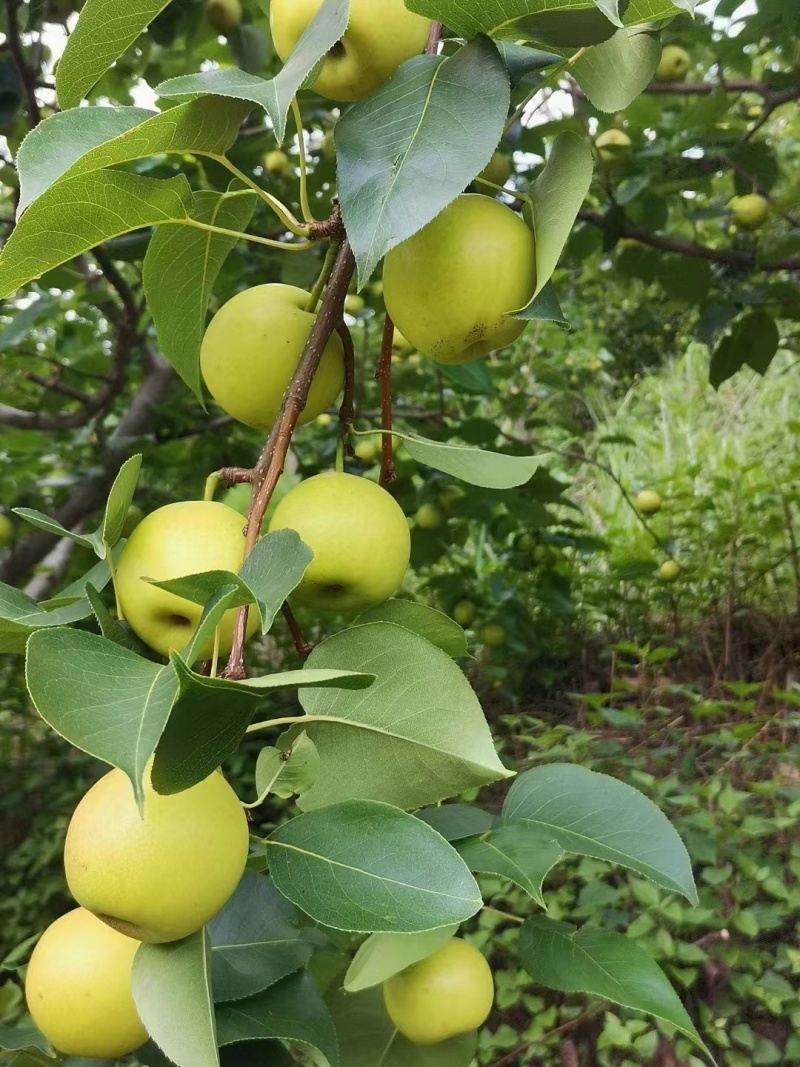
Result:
{"points": [[336, 938]]}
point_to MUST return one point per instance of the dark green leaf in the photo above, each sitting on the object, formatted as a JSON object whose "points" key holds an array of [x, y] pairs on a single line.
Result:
{"points": [[515, 852]]}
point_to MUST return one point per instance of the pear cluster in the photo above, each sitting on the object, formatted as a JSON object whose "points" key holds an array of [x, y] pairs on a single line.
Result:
{"points": [[156, 876]]}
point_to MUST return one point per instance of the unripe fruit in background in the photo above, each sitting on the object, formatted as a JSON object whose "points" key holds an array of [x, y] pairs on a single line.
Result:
{"points": [[673, 65], [464, 613], [493, 635], [277, 162], [368, 450], [498, 170], [614, 147], [449, 289], [380, 35], [251, 350], [648, 502], [359, 537], [449, 993], [78, 988], [354, 303], [400, 345], [6, 530], [669, 571], [225, 16], [429, 517], [749, 212], [177, 540], [161, 877]]}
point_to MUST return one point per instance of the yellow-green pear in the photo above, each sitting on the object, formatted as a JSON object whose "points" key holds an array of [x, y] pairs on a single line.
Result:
{"points": [[429, 517], [613, 147], [359, 537], [380, 35], [449, 993], [251, 350], [354, 303], [464, 613], [162, 876], [323, 420], [277, 162], [493, 635], [175, 541], [669, 571], [648, 502], [368, 450], [498, 170], [749, 212], [452, 288], [225, 16], [673, 65], [6, 530], [78, 988]]}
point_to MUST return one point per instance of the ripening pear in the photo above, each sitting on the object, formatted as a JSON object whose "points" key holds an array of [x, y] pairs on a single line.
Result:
{"points": [[277, 162], [498, 170], [750, 212], [225, 16], [613, 147], [648, 502], [429, 517], [673, 65], [161, 876], [464, 613], [669, 571], [6, 530], [493, 635]]}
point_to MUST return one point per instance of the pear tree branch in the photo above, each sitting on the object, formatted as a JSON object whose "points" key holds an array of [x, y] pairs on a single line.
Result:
{"points": [[383, 375]]}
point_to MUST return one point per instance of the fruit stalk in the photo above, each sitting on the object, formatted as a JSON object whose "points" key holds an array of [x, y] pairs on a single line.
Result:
{"points": [[271, 462], [383, 374]]}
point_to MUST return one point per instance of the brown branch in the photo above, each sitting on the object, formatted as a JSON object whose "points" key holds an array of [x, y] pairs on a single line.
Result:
{"points": [[55, 385], [731, 257], [347, 410], [26, 76], [569, 1054], [735, 85], [432, 47], [302, 646], [383, 374], [273, 458], [235, 476]]}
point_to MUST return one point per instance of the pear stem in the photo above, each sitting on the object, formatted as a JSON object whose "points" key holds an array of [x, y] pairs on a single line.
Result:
{"points": [[305, 206], [383, 375], [270, 465]]}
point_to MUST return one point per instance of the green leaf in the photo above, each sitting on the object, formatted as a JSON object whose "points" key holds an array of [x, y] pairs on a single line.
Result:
{"points": [[614, 73], [368, 1037], [102, 698], [384, 955], [180, 268], [78, 213], [52, 526], [16, 1038], [275, 96], [51, 148], [604, 964], [544, 308], [20, 616], [106, 29], [24, 321], [516, 852], [555, 200], [255, 940], [563, 24], [369, 867], [457, 821], [429, 623], [200, 735], [172, 992], [292, 1011], [110, 627], [439, 121], [119, 501], [415, 737], [476, 466], [753, 340], [521, 61], [592, 814], [472, 378], [287, 772]]}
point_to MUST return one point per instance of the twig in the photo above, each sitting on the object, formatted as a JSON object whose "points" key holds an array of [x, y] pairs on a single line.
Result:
{"points": [[569, 1054], [347, 411], [302, 646], [512, 1057], [383, 375], [271, 463], [432, 47]]}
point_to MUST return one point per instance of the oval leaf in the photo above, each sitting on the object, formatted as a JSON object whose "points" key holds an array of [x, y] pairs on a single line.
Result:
{"points": [[421, 619], [383, 955], [515, 852], [614, 73]]}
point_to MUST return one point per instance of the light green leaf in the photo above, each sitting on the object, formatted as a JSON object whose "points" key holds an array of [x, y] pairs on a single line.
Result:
{"points": [[544, 308], [292, 1011], [561, 24], [369, 867], [368, 1037], [255, 940], [78, 213], [172, 993], [384, 955], [17, 1038], [180, 267], [429, 623], [275, 96], [439, 121], [51, 148], [516, 852], [476, 466], [638, 12], [457, 821], [21, 616], [110, 627], [119, 501], [102, 698], [52, 526], [595, 815], [200, 734], [287, 772], [555, 200], [415, 737], [221, 600], [604, 964], [106, 29], [614, 73]]}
